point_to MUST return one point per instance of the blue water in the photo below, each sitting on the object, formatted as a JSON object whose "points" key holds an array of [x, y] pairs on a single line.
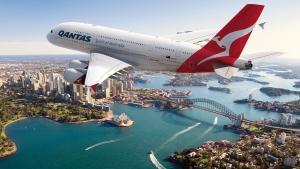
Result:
{"points": [[46, 144]]}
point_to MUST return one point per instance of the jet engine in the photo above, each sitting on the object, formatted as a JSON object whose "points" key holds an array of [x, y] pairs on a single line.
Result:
{"points": [[76, 76], [79, 64], [77, 72], [242, 64]]}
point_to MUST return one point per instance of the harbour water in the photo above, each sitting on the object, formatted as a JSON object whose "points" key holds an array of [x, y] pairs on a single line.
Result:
{"points": [[43, 143]]}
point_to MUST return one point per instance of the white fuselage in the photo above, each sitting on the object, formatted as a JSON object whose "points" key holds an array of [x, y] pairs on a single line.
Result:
{"points": [[142, 51]]}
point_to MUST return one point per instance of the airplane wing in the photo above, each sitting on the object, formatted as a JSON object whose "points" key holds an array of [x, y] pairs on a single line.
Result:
{"points": [[101, 67], [195, 37], [198, 37]]}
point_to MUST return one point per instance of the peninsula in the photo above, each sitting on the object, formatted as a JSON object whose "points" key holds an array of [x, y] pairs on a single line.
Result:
{"points": [[296, 84], [292, 107], [220, 89], [274, 92], [261, 148]]}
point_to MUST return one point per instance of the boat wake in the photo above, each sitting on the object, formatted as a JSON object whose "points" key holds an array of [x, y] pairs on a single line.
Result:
{"points": [[210, 128], [101, 143], [155, 162], [180, 133]]}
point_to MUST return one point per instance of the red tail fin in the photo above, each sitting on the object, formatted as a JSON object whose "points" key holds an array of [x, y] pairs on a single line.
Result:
{"points": [[227, 45]]}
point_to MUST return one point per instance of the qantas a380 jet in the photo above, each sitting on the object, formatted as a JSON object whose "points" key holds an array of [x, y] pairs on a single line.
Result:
{"points": [[111, 50]]}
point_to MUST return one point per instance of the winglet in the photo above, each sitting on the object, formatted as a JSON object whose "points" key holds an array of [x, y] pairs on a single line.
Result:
{"points": [[262, 25]]}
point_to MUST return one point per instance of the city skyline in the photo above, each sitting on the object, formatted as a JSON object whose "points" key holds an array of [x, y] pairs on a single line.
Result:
{"points": [[26, 24]]}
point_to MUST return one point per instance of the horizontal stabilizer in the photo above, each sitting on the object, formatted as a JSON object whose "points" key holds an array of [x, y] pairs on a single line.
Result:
{"points": [[225, 71]]}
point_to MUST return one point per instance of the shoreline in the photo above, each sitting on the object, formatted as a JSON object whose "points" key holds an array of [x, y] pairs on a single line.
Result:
{"points": [[14, 150], [3, 134], [9, 123]]}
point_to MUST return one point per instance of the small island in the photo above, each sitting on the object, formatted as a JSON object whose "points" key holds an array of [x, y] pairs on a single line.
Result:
{"points": [[296, 84], [220, 89], [275, 92]]}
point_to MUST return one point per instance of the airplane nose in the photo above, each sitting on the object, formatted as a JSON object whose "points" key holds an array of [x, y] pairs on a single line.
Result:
{"points": [[49, 36]]}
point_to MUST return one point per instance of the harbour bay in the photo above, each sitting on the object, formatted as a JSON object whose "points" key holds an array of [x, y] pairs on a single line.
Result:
{"points": [[43, 143]]}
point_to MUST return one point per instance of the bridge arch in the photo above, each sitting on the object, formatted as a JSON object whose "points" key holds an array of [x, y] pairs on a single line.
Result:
{"points": [[214, 107]]}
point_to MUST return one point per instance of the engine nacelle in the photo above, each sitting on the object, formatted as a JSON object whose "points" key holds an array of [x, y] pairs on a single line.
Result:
{"points": [[76, 76], [79, 64], [243, 64]]}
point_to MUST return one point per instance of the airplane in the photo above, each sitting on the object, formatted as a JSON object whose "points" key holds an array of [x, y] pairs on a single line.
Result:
{"points": [[112, 51]]}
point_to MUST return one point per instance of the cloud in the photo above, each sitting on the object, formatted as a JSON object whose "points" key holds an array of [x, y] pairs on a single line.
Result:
{"points": [[284, 40]]}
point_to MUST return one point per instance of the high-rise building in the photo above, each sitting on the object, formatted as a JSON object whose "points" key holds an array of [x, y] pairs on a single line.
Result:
{"points": [[60, 85], [1, 82], [125, 83], [114, 91], [44, 91], [107, 92], [36, 87], [41, 78], [88, 95], [130, 85], [80, 91], [121, 86]]}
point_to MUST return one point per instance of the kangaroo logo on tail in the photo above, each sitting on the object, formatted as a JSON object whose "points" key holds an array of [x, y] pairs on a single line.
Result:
{"points": [[226, 43]]}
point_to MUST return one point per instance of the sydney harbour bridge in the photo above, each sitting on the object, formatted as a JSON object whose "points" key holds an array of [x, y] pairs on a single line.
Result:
{"points": [[212, 106]]}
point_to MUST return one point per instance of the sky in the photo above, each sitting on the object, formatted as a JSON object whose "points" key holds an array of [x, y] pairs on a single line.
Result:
{"points": [[25, 23]]}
